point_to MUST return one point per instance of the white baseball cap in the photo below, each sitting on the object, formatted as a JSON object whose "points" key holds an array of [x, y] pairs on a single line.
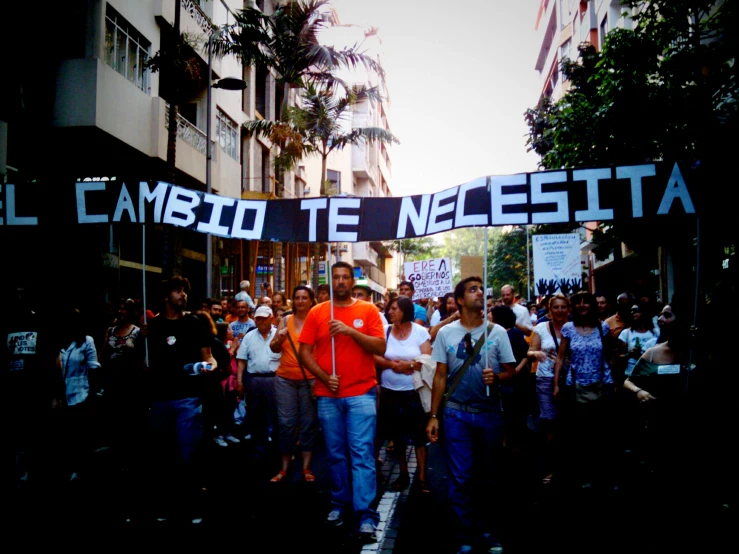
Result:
{"points": [[263, 311]]}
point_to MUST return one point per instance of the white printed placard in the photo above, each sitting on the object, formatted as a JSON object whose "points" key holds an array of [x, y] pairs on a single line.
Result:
{"points": [[557, 263]]}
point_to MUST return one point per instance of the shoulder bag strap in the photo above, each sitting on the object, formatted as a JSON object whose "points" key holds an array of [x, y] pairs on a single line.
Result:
{"points": [[465, 366], [297, 357], [554, 336], [603, 351]]}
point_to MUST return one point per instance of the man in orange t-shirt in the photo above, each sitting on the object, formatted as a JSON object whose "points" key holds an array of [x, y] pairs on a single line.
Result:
{"points": [[346, 400]]}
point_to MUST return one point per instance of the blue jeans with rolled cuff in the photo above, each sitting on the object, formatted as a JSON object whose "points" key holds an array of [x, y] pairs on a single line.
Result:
{"points": [[349, 426]]}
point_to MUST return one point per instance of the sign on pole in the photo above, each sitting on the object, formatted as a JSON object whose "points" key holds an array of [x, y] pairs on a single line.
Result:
{"points": [[432, 277], [557, 263]]}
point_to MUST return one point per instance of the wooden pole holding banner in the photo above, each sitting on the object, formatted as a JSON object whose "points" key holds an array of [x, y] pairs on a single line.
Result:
{"points": [[485, 305], [143, 289], [329, 279]]}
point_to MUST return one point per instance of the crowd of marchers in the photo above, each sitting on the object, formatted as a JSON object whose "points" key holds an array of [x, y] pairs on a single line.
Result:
{"points": [[468, 371]]}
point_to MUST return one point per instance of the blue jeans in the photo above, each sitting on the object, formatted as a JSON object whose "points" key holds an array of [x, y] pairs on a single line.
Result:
{"points": [[182, 418], [471, 441], [349, 426]]}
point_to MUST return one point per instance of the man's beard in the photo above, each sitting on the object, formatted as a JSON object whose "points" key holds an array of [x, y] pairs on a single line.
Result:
{"points": [[342, 295]]}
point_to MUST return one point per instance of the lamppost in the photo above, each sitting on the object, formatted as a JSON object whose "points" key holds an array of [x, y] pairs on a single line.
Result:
{"points": [[227, 83]]}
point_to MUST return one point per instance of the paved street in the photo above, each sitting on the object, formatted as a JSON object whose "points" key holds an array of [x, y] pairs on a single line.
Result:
{"points": [[242, 507]]}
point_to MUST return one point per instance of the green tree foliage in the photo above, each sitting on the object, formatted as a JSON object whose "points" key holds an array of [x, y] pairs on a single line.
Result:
{"points": [[465, 242], [322, 125], [666, 90], [507, 261], [411, 250]]}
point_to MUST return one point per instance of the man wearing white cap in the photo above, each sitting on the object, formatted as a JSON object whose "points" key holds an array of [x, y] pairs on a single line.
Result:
{"points": [[257, 366]]}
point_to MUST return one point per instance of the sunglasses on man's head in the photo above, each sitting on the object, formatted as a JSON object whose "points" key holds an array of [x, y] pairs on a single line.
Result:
{"points": [[468, 344]]}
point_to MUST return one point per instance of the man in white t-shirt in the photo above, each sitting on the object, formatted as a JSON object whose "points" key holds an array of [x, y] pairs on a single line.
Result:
{"points": [[523, 319]]}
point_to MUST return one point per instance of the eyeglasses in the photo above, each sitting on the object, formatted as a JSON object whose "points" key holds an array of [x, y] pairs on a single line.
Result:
{"points": [[634, 310], [468, 344]]}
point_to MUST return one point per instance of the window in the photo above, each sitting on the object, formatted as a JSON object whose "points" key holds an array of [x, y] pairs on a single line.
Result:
{"points": [[564, 13], [265, 167], [126, 50], [260, 91], [228, 135], [335, 178], [564, 54], [603, 31]]}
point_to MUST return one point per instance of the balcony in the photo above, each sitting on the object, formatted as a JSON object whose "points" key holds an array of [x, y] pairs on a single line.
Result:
{"points": [[90, 93], [365, 255], [193, 21], [188, 132]]}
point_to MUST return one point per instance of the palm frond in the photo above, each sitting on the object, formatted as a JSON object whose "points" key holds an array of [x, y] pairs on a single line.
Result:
{"points": [[259, 128]]}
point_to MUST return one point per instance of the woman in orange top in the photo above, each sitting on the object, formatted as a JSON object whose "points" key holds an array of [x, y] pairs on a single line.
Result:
{"points": [[296, 409]]}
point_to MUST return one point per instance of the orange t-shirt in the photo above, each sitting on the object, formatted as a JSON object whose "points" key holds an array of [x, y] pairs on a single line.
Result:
{"points": [[354, 365], [230, 318], [289, 367]]}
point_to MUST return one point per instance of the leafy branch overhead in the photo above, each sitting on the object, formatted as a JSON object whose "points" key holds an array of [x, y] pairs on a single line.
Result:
{"points": [[665, 90]]}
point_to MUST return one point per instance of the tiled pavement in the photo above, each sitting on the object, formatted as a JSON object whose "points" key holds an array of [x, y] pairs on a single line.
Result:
{"points": [[390, 500]]}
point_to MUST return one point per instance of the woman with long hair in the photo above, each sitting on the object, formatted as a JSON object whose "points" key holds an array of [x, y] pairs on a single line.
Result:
{"points": [[218, 406], [588, 426], [76, 361], [545, 341], [401, 412], [659, 384], [296, 408], [448, 312], [122, 357]]}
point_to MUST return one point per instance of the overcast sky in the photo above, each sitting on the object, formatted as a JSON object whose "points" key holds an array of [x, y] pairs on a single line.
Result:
{"points": [[460, 76]]}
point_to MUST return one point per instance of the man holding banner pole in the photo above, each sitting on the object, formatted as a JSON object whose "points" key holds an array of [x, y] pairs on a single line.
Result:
{"points": [[473, 426], [346, 399]]}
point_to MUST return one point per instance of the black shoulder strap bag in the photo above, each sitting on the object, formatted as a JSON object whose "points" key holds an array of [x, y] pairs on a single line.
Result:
{"points": [[463, 369]]}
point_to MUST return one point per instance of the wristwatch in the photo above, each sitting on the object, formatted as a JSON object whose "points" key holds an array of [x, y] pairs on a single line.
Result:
{"points": [[413, 366]]}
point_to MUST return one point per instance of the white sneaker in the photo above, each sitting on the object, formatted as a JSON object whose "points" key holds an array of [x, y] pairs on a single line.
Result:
{"points": [[230, 438], [220, 442]]}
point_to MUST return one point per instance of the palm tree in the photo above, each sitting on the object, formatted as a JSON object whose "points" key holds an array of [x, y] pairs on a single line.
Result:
{"points": [[320, 124], [287, 42], [324, 115]]}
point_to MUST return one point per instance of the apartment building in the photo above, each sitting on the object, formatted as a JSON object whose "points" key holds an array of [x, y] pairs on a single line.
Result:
{"points": [[561, 26], [85, 107]]}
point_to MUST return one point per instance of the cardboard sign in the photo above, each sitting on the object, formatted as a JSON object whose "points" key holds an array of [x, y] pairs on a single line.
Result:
{"points": [[432, 277]]}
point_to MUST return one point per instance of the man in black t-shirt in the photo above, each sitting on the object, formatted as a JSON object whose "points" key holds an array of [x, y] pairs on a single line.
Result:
{"points": [[177, 339]]}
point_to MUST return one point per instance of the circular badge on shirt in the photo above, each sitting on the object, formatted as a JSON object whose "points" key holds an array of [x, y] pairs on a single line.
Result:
{"points": [[171, 340], [358, 323]]}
